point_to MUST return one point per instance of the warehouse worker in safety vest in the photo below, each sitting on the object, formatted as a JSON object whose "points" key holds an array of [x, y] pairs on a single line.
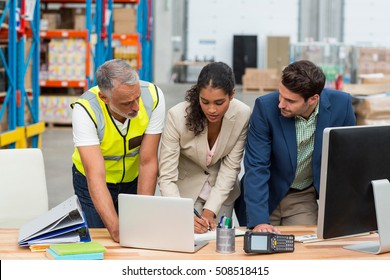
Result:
{"points": [[116, 132]]}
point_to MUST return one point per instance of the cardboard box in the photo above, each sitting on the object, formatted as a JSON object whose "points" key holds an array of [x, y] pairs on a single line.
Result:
{"points": [[124, 27], [125, 20], [387, 57], [366, 89], [260, 79], [64, 18], [79, 22], [366, 67], [124, 14], [372, 54], [56, 109], [67, 18], [373, 108], [365, 121], [385, 79], [51, 21]]}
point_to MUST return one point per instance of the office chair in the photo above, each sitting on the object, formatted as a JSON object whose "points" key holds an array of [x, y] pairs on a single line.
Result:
{"points": [[23, 192]]}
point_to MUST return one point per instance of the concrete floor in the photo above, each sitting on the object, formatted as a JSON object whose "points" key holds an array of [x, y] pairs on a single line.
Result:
{"points": [[57, 145]]}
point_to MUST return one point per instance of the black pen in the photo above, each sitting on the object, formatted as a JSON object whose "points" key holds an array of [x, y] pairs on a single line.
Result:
{"points": [[197, 214], [200, 217]]}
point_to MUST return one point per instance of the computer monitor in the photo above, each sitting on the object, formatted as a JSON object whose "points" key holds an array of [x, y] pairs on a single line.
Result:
{"points": [[352, 200]]}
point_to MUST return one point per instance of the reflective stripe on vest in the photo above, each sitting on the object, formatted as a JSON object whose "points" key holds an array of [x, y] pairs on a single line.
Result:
{"points": [[121, 159]]}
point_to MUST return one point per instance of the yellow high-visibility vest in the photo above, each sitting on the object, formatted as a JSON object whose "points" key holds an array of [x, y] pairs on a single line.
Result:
{"points": [[120, 152]]}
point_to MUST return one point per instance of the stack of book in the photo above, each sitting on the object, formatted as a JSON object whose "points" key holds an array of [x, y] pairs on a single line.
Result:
{"points": [[76, 251]]}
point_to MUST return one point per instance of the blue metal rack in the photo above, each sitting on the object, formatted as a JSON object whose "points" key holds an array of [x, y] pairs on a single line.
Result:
{"points": [[85, 34], [10, 68], [33, 57], [16, 98], [99, 56], [144, 28], [103, 48]]}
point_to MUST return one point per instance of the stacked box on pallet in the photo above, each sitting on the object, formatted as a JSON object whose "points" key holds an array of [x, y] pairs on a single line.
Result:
{"points": [[56, 109], [125, 20], [50, 20], [372, 105], [374, 110], [260, 80], [4, 119], [374, 60], [65, 18], [67, 59], [380, 79]]}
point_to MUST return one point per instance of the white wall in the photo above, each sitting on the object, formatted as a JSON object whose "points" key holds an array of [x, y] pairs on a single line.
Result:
{"points": [[162, 34], [367, 22], [212, 24]]}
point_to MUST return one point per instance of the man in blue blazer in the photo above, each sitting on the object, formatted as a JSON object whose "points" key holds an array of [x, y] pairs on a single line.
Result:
{"points": [[283, 149]]}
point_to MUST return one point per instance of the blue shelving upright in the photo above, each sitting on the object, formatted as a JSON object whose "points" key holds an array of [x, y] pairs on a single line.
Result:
{"points": [[16, 97], [99, 47], [33, 58], [145, 31], [103, 48], [9, 102]]}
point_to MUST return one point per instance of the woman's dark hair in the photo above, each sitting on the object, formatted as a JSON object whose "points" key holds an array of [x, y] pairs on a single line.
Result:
{"points": [[304, 78], [216, 75]]}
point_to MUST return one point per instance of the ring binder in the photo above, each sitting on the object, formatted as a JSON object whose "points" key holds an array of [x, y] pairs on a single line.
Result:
{"points": [[64, 223]]}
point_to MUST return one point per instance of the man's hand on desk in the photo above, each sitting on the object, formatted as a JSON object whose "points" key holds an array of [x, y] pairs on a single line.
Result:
{"points": [[266, 228], [114, 232]]}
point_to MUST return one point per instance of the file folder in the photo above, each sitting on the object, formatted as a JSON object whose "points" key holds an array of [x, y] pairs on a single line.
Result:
{"points": [[62, 224]]}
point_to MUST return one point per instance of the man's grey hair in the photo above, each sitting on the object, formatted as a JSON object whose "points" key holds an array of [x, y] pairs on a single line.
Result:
{"points": [[113, 73]]}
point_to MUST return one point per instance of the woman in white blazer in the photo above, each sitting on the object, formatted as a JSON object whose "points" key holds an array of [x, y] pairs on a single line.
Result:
{"points": [[202, 146]]}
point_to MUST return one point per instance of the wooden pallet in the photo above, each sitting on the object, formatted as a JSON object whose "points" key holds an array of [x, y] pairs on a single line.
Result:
{"points": [[257, 90], [260, 80]]}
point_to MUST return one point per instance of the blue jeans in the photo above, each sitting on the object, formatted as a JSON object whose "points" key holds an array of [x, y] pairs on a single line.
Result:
{"points": [[81, 190]]}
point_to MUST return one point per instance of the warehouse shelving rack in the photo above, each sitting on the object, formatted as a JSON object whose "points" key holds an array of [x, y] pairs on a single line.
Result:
{"points": [[145, 31], [63, 33], [105, 34], [97, 31], [99, 37], [17, 100], [84, 34], [144, 38]]}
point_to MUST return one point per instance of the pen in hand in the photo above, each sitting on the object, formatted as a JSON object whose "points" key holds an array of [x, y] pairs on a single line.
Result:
{"points": [[200, 217]]}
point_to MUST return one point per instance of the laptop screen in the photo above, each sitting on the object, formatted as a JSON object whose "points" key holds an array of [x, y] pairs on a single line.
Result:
{"points": [[156, 222]]}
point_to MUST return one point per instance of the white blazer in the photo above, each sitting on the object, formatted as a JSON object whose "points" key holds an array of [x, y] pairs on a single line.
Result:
{"points": [[182, 162]]}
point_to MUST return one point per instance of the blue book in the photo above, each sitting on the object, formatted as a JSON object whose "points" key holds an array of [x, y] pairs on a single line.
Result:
{"points": [[51, 255]]}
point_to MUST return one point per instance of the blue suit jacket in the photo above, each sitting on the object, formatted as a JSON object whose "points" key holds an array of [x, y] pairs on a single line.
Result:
{"points": [[271, 150]]}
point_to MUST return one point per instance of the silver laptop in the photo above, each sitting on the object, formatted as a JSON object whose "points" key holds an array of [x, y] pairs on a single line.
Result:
{"points": [[156, 222]]}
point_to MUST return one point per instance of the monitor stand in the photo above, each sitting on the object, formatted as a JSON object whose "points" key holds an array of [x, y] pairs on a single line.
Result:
{"points": [[381, 189]]}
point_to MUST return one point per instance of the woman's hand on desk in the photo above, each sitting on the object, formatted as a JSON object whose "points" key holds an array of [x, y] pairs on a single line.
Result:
{"points": [[210, 217], [200, 225], [266, 228], [206, 223]]}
